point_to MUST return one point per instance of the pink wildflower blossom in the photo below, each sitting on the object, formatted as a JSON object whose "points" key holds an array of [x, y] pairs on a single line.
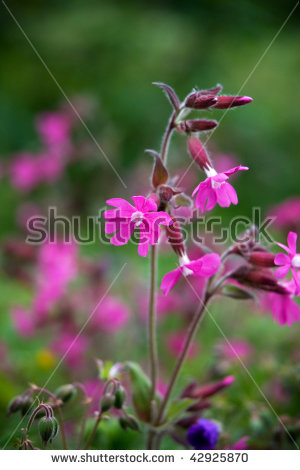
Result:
{"points": [[175, 342], [111, 315], [23, 321], [215, 189], [289, 261], [70, 346], [54, 128], [205, 266], [286, 214], [57, 266], [125, 218], [284, 309], [24, 172]]}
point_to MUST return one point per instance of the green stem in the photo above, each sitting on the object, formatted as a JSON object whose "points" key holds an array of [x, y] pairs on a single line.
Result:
{"points": [[91, 436], [190, 335], [152, 324]]}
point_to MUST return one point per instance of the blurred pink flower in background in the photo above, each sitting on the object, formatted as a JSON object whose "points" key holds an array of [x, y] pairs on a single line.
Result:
{"points": [[175, 343], [287, 214], [223, 161], [71, 346], [234, 349], [24, 172], [26, 211], [23, 321], [54, 128], [291, 261], [111, 315], [284, 309], [57, 266], [164, 304]]}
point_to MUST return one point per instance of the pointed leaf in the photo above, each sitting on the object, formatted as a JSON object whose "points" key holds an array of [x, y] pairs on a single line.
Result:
{"points": [[170, 93], [160, 174]]}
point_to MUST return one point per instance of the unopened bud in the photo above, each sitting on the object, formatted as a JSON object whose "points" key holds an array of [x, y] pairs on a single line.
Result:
{"points": [[107, 402], [197, 100], [160, 173], [15, 404], [166, 193], [196, 125], [48, 428], [120, 397], [225, 102], [129, 422], [199, 153], [175, 237], [26, 405], [66, 392], [205, 391], [264, 259], [258, 279]]}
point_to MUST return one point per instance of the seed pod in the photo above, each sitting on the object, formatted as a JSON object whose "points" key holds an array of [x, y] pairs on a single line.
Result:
{"points": [[66, 392], [197, 125], [262, 258], [120, 397], [197, 100]]}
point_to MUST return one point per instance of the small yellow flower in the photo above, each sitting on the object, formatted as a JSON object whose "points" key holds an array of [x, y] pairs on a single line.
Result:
{"points": [[45, 359]]}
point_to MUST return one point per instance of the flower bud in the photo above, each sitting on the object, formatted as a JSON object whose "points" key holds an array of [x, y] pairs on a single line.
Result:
{"points": [[205, 391], [166, 193], [258, 279], [264, 259], [120, 397], [48, 428], [65, 393], [199, 153], [26, 405], [197, 100], [175, 237], [225, 102], [196, 125], [107, 402], [160, 173], [15, 405], [129, 422]]}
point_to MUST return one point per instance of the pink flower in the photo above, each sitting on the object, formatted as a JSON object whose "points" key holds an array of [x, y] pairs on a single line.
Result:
{"points": [[286, 214], [24, 172], [175, 343], [241, 444], [71, 347], [111, 315], [290, 261], [284, 309], [54, 128], [23, 321], [56, 268], [205, 266], [234, 349], [125, 218], [215, 189]]}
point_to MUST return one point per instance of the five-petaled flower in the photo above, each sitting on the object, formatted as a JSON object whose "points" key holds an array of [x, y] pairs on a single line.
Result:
{"points": [[289, 261], [215, 189], [126, 217], [205, 266]]}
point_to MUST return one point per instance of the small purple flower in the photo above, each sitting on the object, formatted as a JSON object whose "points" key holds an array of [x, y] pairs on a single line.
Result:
{"points": [[203, 435]]}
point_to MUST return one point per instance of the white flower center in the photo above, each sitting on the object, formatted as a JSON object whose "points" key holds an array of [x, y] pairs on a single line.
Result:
{"points": [[184, 259], [210, 172], [296, 261], [137, 218]]}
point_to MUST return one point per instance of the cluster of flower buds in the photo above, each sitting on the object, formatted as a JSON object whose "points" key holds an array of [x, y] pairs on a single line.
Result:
{"points": [[262, 279], [114, 396], [205, 99], [48, 427]]}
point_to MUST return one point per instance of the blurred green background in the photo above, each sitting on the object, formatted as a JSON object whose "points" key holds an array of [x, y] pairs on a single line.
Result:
{"points": [[110, 52]]}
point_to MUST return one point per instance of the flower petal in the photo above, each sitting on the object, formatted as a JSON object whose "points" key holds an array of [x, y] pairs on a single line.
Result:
{"points": [[139, 202], [123, 235], [282, 272], [292, 242], [205, 266], [235, 169], [170, 279], [150, 205], [282, 259], [120, 203]]}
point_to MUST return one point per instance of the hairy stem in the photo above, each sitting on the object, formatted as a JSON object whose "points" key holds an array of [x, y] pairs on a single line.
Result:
{"points": [[167, 137]]}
